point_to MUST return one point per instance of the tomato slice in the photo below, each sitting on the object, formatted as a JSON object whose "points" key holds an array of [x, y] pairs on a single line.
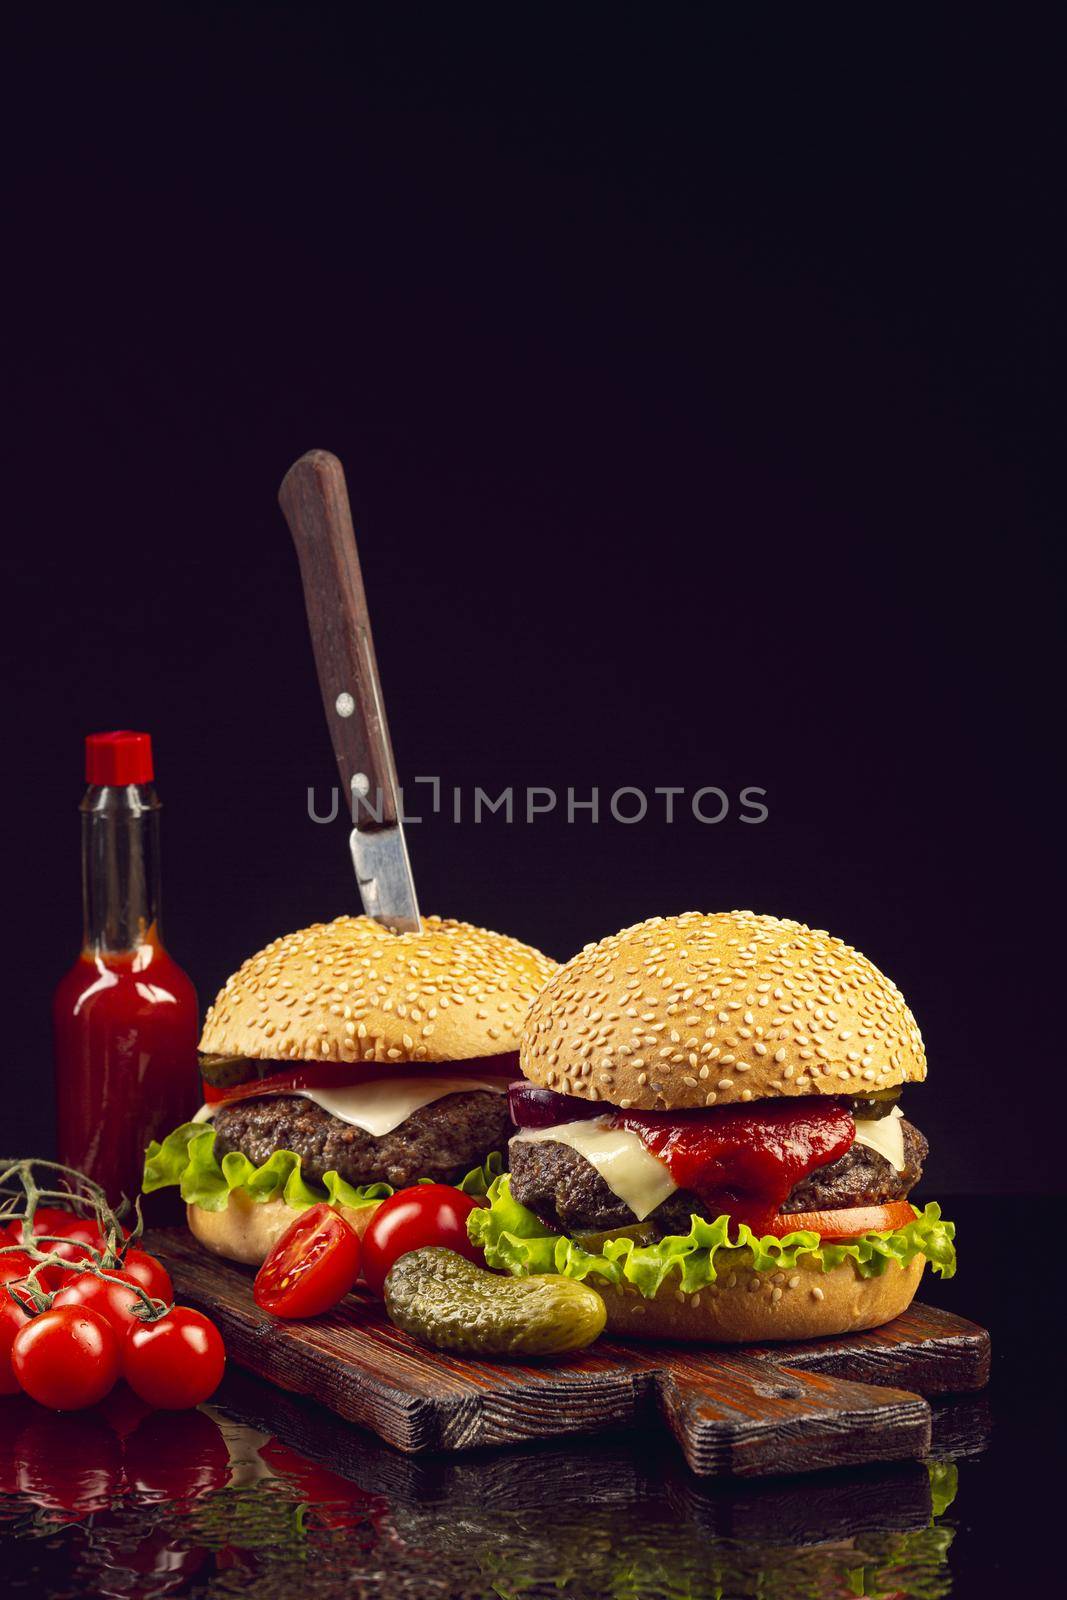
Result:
{"points": [[312, 1266], [323, 1075], [847, 1223]]}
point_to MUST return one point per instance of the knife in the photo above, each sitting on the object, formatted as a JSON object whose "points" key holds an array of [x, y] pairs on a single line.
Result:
{"points": [[314, 500]]}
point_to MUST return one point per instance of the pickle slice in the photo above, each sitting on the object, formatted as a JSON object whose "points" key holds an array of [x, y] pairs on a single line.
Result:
{"points": [[226, 1072], [446, 1301], [879, 1103]]}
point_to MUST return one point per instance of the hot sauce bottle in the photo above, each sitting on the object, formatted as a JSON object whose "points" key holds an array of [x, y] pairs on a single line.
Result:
{"points": [[125, 1015]]}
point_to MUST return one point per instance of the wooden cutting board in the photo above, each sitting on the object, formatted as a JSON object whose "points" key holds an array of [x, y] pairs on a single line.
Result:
{"points": [[735, 1411]]}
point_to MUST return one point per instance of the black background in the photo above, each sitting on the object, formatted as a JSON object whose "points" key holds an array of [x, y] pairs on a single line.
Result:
{"points": [[698, 383]]}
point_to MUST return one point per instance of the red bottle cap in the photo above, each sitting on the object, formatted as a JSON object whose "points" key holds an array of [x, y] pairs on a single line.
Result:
{"points": [[118, 758]]}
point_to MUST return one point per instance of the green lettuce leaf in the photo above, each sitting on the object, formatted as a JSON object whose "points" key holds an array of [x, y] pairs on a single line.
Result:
{"points": [[519, 1242], [187, 1158]]}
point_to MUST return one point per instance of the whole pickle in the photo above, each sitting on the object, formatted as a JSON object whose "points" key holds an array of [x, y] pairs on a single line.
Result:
{"points": [[448, 1302]]}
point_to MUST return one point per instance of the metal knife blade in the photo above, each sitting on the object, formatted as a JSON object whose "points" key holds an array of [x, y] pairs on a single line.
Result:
{"points": [[383, 873]]}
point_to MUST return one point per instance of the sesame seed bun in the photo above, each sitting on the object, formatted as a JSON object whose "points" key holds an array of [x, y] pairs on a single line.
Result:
{"points": [[697, 1010], [350, 990], [247, 1230], [803, 1303]]}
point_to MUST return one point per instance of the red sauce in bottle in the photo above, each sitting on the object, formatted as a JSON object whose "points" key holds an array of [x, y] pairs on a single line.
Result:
{"points": [[741, 1160], [125, 1016]]}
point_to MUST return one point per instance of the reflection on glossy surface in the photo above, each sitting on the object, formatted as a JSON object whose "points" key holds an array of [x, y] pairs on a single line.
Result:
{"points": [[259, 1493]]}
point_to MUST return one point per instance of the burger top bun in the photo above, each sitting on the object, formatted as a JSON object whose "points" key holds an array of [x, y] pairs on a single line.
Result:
{"points": [[350, 990], [693, 1011]]}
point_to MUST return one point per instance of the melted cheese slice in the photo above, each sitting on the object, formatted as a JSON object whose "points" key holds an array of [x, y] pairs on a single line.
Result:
{"points": [[382, 1105], [632, 1172], [886, 1136]]}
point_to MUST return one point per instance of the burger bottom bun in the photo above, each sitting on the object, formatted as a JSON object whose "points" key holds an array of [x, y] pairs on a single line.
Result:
{"points": [[802, 1303], [248, 1230]]}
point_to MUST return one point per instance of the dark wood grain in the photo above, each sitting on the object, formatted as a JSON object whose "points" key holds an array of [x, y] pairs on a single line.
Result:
{"points": [[735, 1412], [314, 499]]}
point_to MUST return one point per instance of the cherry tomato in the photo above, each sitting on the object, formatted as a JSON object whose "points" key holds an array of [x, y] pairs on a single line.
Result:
{"points": [[21, 1264], [69, 1465], [77, 1236], [177, 1458], [846, 1223], [176, 1361], [313, 1265], [113, 1297], [13, 1318], [47, 1219], [66, 1358], [427, 1213], [151, 1274]]}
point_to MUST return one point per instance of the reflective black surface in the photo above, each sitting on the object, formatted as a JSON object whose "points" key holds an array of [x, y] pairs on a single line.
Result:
{"points": [[262, 1494]]}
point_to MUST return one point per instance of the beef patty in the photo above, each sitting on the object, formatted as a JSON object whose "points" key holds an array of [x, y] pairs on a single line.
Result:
{"points": [[568, 1193], [442, 1141]]}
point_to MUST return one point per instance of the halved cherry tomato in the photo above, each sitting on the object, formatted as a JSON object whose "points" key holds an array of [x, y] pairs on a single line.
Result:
{"points": [[66, 1358], [176, 1361], [427, 1213], [151, 1274], [847, 1223], [313, 1265]]}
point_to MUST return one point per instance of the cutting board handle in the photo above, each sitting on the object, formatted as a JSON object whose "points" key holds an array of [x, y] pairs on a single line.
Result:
{"points": [[314, 500], [754, 1417]]}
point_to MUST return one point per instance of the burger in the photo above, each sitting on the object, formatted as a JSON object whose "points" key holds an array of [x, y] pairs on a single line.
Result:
{"points": [[344, 1062], [709, 1130]]}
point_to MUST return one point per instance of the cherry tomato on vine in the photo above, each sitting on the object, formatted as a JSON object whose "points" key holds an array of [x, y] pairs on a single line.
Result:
{"points": [[427, 1213], [151, 1274], [176, 1361], [77, 1236], [113, 1297], [13, 1318], [66, 1358], [313, 1265], [14, 1267]]}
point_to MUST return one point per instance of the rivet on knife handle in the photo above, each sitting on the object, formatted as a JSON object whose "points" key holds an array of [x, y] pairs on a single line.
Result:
{"points": [[314, 499]]}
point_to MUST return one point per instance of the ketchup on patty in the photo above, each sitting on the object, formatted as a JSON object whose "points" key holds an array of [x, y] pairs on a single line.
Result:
{"points": [[744, 1160]]}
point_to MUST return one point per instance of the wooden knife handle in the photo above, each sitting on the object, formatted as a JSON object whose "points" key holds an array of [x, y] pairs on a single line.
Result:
{"points": [[314, 500]]}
